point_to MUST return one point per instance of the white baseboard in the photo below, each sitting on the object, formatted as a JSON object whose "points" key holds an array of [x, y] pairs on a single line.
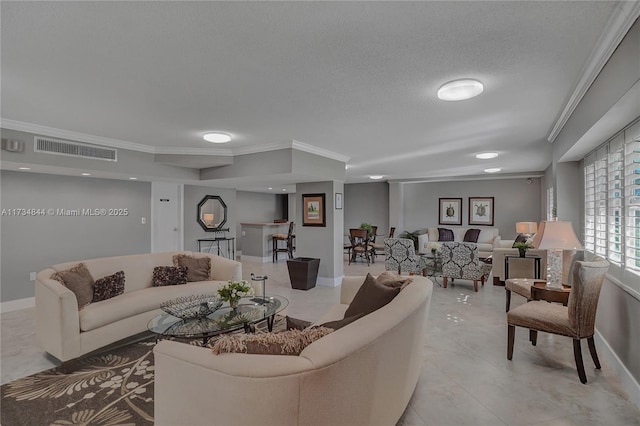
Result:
{"points": [[329, 282], [16, 305], [629, 383], [258, 259]]}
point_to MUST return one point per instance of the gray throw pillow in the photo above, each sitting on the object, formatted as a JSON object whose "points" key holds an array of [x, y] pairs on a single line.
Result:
{"points": [[471, 236], [199, 269], [79, 281], [370, 296], [338, 324], [445, 234]]}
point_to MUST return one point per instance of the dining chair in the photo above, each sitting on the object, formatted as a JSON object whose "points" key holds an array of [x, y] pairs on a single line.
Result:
{"points": [[460, 260], [360, 245], [400, 255], [289, 237], [576, 320]]}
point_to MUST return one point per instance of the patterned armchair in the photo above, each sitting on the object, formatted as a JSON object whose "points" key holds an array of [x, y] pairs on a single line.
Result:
{"points": [[460, 260], [400, 255]]}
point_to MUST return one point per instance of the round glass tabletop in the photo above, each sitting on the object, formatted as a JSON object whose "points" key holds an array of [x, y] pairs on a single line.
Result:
{"points": [[250, 310]]}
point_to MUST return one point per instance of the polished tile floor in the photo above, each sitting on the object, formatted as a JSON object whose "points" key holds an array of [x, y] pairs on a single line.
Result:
{"points": [[466, 378]]}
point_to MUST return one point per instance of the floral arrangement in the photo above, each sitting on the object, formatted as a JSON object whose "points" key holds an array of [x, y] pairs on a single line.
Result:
{"points": [[433, 246], [234, 290]]}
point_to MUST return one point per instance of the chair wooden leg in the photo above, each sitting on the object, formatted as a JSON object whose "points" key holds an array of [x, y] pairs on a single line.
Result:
{"points": [[444, 282], [508, 294], [594, 353], [577, 354], [511, 337], [533, 337], [475, 285]]}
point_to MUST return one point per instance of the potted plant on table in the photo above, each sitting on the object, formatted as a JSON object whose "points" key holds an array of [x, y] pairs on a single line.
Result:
{"points": [[522, 248], [368, 227], [233, 291]]}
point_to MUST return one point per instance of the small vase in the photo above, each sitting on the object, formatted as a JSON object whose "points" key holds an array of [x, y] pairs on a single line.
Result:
{"points": [[433, 252], [523, 252], [233, 303]]}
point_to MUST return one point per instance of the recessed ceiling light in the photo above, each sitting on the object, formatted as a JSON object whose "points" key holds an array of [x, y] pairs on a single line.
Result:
{"points": [[270, 188], [492, 170], [346, 167], [24, 168], [459, 90], [85, 174], [486, 155], [376, 177], [283, 189], [133, 178], [217, 137]]}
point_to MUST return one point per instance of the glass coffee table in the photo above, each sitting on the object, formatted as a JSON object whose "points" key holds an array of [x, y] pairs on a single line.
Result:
{"points": [[250, 311], [431, 264]]}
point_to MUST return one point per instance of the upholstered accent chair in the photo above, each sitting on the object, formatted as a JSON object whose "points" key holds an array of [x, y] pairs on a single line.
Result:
{"points": [[460, 260], [400, 255], [576, 320], [360, 245]]}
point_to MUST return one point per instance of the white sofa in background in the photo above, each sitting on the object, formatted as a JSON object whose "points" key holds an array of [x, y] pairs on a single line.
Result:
{"points": [[67, 333], [361, 374], [488, 239]]}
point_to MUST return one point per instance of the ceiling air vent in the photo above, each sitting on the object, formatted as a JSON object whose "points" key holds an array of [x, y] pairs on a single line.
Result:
{"points": [[74, 149]]}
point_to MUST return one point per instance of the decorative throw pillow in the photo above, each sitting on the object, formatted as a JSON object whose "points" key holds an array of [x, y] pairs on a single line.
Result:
{"points": [[471, 236], [290, 342], [370, 296], [297, 324], [199, 268], [521, 238], [107, 287], [445, 234], [391, 279], [337, 324], [169, 275], [79, 280]]}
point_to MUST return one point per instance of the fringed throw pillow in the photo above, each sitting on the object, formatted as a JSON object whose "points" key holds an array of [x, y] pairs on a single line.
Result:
{"points": [[169, 275], [107, 287], [79, 280], [290, 342]]}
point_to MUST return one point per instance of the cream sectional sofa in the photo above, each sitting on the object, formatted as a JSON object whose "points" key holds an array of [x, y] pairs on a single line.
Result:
{"points": [[361, 374], [67, 333], [488, 239]]}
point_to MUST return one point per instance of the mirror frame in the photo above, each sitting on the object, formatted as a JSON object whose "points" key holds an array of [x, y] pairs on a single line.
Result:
{"points": [[199, 213]]}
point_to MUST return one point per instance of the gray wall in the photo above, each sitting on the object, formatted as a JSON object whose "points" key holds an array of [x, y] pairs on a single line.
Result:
{"points": [[31, 244], [192, 230], [618, 316], [366, 202], [514, 200], [255, 207], [321, 242]]}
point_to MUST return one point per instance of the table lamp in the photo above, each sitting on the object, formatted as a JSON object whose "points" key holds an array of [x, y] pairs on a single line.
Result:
{"points": [[555, 236], [208, 219], [526, 228]]}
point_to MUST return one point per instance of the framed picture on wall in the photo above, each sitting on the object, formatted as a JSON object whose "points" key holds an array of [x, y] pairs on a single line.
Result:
{"points": [[450, 212], [313, 210], [481, 211]]}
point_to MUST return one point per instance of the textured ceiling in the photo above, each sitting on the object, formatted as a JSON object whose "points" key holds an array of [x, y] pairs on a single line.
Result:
{"points": [[355, 78]]}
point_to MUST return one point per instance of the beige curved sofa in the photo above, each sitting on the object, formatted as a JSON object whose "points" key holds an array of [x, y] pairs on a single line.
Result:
{"points": [[361, 374], [67, 333]]}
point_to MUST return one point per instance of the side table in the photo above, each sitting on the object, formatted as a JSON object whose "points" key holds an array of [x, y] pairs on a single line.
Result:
{"points": [[539, 291], [536, 260]]}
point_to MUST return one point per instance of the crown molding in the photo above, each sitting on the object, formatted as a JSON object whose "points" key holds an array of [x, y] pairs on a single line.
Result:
{"points": [[619, 23], [116, 143], [73, 136], [319, 151]]}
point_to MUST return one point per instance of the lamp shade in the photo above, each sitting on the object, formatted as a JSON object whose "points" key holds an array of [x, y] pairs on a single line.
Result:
{"points": [[556, 235], [526, 227], [208, 217]]}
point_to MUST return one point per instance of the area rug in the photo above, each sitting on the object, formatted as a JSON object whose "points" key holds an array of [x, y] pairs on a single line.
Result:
{"points": [[112, 388]]}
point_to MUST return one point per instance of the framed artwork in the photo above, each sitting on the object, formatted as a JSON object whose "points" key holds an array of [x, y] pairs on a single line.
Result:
{"points": [[450, 211], [338, 200], [313, 210], [481, 211]]}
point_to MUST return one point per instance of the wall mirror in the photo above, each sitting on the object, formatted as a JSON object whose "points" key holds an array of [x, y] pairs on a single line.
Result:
{"points": [[212, 213]]}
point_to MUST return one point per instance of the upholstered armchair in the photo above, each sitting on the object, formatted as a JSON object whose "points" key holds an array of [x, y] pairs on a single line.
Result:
{"points": [[400, 255], [576, 320], [460, 260]]}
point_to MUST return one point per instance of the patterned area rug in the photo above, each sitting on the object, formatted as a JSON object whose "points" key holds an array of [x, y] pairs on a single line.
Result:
{"points": [[112, 388]]}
